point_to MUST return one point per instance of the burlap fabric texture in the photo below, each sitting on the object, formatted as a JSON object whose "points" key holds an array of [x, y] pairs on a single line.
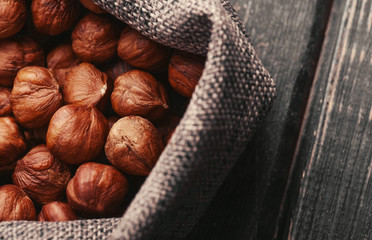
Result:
{"points": [[233, 95]]}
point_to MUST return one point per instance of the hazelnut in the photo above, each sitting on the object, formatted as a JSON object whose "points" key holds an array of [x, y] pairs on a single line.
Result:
{"points": [[77, 133], [12, 143], [133, 145], [12, 17], [56, 212], [117, 68], [138, 93], [54, 17], [15, 204], [184, 72], [16, 54], [92, 6], [141, 52], [97, 190], [61, 60], [94, 39], [5, 108], [41, 176], [85, 85], [35, 96]]}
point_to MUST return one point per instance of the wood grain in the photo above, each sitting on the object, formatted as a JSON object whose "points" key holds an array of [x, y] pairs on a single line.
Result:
{"points": [[287, 35], [331, 189]]}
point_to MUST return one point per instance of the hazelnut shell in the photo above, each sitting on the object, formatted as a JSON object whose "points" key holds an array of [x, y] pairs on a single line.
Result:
{"points": [[117, 68], [77, 133], [141, 52], [12, 143], [15, 204], [41, 176], [17, 53], [97, 190], [35, 96], [54, 17], [5, 108], [94, 39], [84, 85], [184, 72], [139, 93], [61, 60], [57, 212], [133, 145], [12, 17]]}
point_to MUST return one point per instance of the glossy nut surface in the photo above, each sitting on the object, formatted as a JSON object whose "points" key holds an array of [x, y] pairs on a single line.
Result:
{"points": [[97, 190], [184, 72], [85, 85], [61, 59], [57, 212], [17, 53], [54, 17], [141, 52], [76, 133], [94, 39], [35, 96], [12, 143], [41, 176], [133, 145], [15, 204], [12, 17], [5, 108], [139, 93]]}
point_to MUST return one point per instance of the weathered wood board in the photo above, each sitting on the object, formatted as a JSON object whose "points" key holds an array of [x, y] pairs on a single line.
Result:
{"points": [[331, 190], [287, 35]]}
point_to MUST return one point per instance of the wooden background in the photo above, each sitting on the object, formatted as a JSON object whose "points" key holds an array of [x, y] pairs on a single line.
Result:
{"points": [[306, 173]]}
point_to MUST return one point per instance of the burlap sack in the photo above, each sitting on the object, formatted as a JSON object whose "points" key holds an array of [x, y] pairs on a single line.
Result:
{"points": [[232, 97]]}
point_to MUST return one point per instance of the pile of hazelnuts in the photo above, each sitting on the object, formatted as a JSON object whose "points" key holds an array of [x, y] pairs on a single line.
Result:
{"points": [[87, 105]]}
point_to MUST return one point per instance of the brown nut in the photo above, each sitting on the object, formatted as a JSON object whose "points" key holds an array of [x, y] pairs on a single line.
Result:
{"points": [[35, 96], [92, 6], [41, 176], [77, 133], [97, 190], [15, 204], [61, 60], [54, 17], [184, 72], [117, 68], [12, 17], [94, 39], [57, 212], [85, 85], [16, 54], [12, 143], [133, 145], [5, 108], [138, 93], [141, 52]]}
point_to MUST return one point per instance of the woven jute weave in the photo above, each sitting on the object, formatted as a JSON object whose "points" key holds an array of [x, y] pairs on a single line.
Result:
{"points": [[233, 95]]}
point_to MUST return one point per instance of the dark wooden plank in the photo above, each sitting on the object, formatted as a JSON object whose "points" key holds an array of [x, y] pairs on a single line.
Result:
{"points": [[288, 35], [331, 190]]}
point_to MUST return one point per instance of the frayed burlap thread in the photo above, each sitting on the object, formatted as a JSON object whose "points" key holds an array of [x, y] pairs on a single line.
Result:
{"points": [[233, 95]]}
